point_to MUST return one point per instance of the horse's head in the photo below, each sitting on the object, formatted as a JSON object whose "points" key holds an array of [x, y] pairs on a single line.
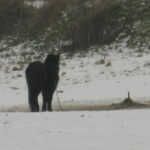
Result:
{"points": [[52, 59], [52, 63]]}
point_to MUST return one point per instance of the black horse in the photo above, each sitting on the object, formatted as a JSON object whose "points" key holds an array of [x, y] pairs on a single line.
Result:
{"points": [[42, 77]]}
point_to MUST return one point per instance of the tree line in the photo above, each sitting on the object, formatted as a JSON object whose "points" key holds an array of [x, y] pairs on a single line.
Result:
{"points": [[79, 23]]}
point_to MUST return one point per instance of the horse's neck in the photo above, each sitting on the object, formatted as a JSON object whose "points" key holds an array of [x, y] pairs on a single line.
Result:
{"points": [[52, 71]]}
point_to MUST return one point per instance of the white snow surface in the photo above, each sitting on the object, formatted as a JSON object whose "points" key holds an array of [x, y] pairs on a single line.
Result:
{"points": [[83, 80], [86, 80], [122, 130]]}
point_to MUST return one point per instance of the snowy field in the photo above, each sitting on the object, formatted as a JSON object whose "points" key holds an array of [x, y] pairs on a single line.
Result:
{"points": [[84, 80], [106, 130], [85, 84]]}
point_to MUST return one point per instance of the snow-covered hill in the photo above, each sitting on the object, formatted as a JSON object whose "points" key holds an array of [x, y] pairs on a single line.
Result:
{"points": [[84, 79]]}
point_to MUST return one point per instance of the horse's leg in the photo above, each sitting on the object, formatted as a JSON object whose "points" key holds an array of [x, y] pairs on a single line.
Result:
{"points": [[33, 100], [47, 101], [44, 101], [49, 105]]}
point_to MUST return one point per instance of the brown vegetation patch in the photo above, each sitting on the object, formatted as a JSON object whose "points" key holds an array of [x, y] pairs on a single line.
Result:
{"points": [[102, 107], [126, 104]]}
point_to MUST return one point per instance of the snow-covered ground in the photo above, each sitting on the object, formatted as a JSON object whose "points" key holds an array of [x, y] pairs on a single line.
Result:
{"points": [[114, 130], [84, 80]]}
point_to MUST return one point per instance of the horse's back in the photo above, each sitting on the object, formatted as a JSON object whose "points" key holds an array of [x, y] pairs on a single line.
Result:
{"points": [[35, 74]]}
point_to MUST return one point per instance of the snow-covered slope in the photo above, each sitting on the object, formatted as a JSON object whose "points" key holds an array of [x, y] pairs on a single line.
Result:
{"points": [[84, 79]]}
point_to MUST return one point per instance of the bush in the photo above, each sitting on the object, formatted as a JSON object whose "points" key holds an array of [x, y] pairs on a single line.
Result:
{"points": [[15, 17], [81, 23], [48, 15], [135, 18], [90, 22]]}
